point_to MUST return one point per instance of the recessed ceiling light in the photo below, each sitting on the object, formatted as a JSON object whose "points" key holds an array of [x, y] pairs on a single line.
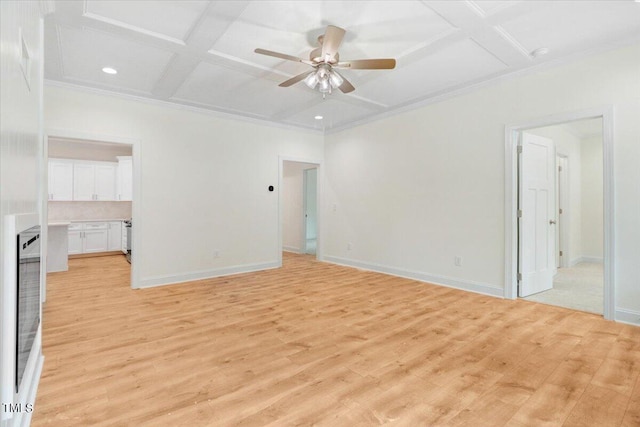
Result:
{"points": [[540, 52], [318, 117], [109, 70]]}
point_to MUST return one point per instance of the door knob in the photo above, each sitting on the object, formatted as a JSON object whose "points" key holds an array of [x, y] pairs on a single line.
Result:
{"points": [[552, 222]]}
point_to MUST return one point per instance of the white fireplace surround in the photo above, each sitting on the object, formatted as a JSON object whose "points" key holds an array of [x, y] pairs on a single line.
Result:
{"points": [[15, 224]]}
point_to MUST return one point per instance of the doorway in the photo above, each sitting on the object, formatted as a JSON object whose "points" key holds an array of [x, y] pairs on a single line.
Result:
{"points": [[571, 248], [94, 223], [299, 207], [310, 210], [575, 259]]}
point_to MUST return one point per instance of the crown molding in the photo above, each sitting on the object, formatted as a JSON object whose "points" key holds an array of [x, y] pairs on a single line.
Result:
{"points": [[463, 90], [177, 106]]}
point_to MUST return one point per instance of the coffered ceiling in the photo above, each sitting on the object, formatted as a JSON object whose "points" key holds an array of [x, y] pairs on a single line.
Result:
{"points": [[201, 53]]}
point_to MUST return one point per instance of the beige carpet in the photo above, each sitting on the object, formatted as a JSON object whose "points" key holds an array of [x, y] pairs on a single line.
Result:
{"points": [[579, 287]]}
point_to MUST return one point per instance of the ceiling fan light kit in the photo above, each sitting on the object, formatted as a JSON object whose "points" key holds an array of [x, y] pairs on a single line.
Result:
{"points": [[324, 59], [324, 79]]}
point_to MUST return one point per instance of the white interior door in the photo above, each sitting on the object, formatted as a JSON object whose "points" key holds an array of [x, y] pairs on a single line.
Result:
{"points": [[537, 222]]}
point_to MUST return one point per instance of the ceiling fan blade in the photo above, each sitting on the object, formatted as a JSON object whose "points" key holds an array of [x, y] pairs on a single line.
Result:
{"points": [[368, 64], [331, 41], [346, 85], [282, 56], [294, 80]]}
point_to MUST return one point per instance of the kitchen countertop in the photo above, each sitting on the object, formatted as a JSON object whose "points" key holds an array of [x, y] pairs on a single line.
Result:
{"points": [[69, 221], [58, 223]]}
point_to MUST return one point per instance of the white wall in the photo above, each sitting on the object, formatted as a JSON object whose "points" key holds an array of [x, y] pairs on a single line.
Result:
{"points": [[292, 203], [203, 185], [20, 163], [414, 190], [592, 199]]}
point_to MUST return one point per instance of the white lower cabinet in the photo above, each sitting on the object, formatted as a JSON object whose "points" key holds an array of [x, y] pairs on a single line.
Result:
{"points": [[75, 239], [115, 235], [94, 237]]}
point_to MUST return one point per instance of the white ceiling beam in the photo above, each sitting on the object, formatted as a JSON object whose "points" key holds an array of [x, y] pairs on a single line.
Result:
{"points": [[201, 37]]}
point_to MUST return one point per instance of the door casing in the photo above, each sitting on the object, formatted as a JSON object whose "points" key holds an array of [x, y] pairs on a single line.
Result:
{"points": [[564, 219]]}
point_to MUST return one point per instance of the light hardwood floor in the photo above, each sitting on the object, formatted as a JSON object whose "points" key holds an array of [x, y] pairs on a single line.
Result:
{"points": [[320, 344]]}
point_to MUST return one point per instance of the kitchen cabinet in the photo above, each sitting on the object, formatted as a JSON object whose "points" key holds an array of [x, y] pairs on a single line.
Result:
{"points": [[60, 180], [115, 235], [94, 236], [75, 238], [105, 183], [94, 181], [84, 180], [125, 178]]}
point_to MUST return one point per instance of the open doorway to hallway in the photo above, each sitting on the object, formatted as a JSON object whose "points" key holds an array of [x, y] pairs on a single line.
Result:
{"points": [[562, 225], [300, 207], [310, 209]]}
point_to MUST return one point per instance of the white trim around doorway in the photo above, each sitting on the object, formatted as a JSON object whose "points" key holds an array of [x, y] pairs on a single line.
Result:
{"points": [[511, 198]]}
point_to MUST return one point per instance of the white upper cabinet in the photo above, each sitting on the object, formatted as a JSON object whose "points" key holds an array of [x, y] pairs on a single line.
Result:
{"points": [[94, 181], [125, 178], [60, 180], [105, 181], [84, 180]]}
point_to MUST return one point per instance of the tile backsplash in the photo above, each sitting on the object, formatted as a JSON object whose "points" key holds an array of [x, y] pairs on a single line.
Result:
{"points": [[75, 211]]}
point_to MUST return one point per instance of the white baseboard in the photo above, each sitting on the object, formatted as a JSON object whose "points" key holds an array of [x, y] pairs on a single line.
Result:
{"points": [[291, 249], [465, 285], [151, 282], [630, 317]]}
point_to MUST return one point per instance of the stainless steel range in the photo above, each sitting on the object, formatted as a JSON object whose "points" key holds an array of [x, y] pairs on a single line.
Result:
{"points": [[127, 224]]}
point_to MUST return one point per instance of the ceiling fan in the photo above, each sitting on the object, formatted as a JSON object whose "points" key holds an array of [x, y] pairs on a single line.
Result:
{"points": [[325, 59]]}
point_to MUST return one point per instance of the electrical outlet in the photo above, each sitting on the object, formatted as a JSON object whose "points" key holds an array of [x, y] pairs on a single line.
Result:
{"points": [[216, 254], [457, 261], [349, 246], [335, 207]]}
